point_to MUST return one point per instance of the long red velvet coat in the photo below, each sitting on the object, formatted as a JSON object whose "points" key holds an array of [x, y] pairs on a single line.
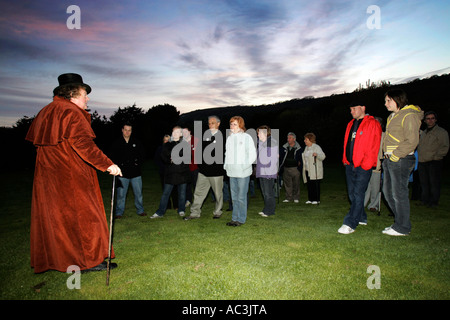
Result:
{"points": [[68, 221]]}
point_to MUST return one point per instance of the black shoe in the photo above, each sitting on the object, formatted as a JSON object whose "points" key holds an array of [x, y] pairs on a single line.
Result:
{"points": [[143, 214], [190, 218], [101, 267], [216, 217], [234, 224]]}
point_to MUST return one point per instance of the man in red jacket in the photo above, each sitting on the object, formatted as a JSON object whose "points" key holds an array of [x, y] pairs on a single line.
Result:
{"points": [[361, 146]]}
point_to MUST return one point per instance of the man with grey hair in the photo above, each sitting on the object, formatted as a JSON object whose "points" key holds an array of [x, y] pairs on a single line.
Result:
{"points": [[211, 170], [290, 167]]}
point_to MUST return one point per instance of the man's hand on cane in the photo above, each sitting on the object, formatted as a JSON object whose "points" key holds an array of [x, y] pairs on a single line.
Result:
{"points": [[114, 170]]}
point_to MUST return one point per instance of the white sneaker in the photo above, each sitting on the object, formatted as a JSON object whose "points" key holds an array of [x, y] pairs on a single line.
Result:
{"points": [[308, 202], [314, 202], [188, 203], [286, 200], [264, 215], [181, 213], [344, 229], [155, 216], [363, 223], [261, 213], [392, 232], [296, 201]]}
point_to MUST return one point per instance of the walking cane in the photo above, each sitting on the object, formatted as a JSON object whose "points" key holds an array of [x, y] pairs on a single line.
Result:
{"points": [[317, 189], [110, 232]]}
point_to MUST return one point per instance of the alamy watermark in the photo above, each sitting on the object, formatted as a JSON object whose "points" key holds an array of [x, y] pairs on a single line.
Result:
{"points": [[374, 20], [74, 281], [74, 21], [374, 281], [215, 151]]}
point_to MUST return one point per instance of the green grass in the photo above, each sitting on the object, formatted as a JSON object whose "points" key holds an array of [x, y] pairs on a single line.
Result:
{"points": [[294, 255]]}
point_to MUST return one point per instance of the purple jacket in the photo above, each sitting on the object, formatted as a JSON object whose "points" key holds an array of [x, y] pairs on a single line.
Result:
{"points": [[267, 160]]}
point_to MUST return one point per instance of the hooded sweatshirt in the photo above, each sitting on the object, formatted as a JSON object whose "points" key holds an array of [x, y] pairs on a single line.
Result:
{"points": [[402, 132]]}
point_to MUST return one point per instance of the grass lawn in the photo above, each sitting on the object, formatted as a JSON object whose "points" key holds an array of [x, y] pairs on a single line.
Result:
{"points": [[295, 255]]}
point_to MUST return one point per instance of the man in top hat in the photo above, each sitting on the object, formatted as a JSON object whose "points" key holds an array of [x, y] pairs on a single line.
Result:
{"points": [[68, 222], [361, 146]]}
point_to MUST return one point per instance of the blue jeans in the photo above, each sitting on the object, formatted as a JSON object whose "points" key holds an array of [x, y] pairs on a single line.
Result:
{"points": [[268, 192], [357, 182], [239, 190], [396, 192], [167, 190], [122, 190]]}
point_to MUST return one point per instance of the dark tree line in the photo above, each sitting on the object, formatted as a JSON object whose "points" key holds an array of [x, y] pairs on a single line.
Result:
{"points": [[149, 126], [326, 117]]}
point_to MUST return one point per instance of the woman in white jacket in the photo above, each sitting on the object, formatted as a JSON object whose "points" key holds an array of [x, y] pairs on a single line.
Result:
{"points": [[313, 157], [240, 153]]}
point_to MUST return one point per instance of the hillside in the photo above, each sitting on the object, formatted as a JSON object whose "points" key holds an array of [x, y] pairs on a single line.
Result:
{"points": [[328, 116]]}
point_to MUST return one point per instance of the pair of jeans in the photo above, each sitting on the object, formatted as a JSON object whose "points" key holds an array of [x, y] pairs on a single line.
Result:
{"points": [[122, 190], [357, 181], [268, 192], [167, 190], [396, 192], [239, 190]]}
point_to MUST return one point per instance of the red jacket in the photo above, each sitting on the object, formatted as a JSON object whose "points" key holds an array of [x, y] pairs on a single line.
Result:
{"points": [[68, 222], [367, 143]]}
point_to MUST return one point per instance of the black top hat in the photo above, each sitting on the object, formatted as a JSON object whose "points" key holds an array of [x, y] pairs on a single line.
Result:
{"points": [[72, 78]]}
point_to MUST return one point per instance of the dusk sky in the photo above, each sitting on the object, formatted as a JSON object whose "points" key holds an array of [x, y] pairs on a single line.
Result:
{"points": [[197, 54]]}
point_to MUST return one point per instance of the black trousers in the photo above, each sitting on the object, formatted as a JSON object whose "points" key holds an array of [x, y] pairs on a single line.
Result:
{"points": [[430, 174], [313, 188]]}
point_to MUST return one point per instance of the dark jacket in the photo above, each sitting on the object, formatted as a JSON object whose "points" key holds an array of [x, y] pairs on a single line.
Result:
{"points": [[297, 156], [212, 142], [175, 173], [128, 156]]}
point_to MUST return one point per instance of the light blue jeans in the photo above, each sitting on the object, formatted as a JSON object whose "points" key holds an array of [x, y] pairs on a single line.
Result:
{"points": [[239, 190], [122, 190]]}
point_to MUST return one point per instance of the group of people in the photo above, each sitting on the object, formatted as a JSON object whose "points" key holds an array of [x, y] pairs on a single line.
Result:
{"points": [[227, 164], [68, 223], [370, 153]]}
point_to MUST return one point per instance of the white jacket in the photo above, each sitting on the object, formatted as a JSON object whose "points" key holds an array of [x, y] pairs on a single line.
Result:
{"points": [[240, 154], [309, 164]]}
